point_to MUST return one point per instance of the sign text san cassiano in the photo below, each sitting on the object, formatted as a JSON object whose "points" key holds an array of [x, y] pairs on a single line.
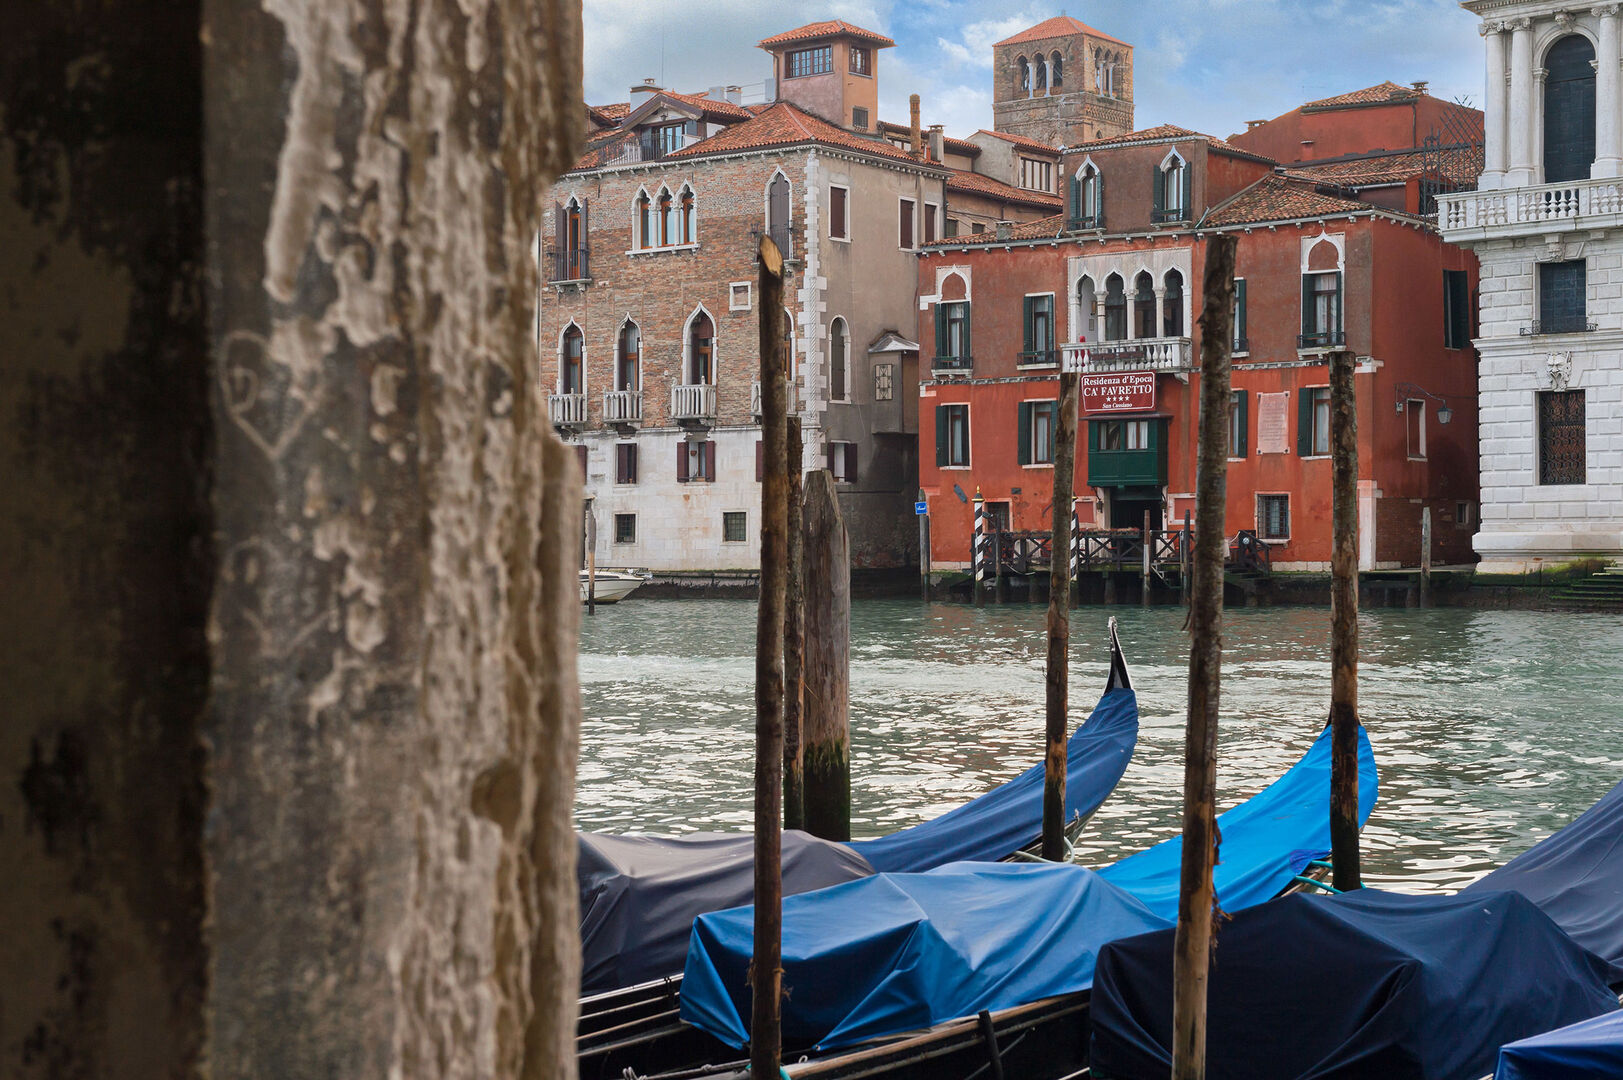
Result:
{"points": [[1118, 392]]}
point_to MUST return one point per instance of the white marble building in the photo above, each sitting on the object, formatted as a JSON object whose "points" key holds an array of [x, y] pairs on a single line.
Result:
{"points": [[1547, 225]]}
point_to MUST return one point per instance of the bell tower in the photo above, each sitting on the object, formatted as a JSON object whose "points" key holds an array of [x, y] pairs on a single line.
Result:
{"points": [[1062, 82]]}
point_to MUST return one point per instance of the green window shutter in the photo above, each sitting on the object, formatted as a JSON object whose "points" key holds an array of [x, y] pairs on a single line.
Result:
{"points": [[1239, 310], [1076, 198], [1304, 422], [940, 435], [1307, 304], [1024, 444], [968, 352], [1245, 422], [1188, 189], [1099, 196], [941, 329], [1340, 279], [1158, 184], [1027, 308]]}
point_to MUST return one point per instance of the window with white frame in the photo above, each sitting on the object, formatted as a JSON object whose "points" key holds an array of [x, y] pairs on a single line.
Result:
{"points": [[906, 210], [1171, 190], [930, 217], [739, 296], [628, 358], [952, 436], [1036, 175], [803, 62], [1274, 517], [838, 349], [839, 198]]}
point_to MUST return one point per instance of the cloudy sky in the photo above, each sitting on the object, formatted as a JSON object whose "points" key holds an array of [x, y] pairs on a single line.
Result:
{"points": [[1204, 64]]}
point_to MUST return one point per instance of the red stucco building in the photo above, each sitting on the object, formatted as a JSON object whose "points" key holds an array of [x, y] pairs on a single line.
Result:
{"points": [[1319, 270]]}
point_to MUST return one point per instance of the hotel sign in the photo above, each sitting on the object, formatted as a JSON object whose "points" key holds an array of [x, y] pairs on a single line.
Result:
{"points": [[1118, 392]]}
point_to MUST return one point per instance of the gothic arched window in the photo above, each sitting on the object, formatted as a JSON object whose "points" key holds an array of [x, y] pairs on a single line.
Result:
{"points": [[570, 376]]}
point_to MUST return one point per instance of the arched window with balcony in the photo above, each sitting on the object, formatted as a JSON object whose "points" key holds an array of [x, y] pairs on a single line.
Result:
{"points": [[1172, 305], [838, 356], [1088, 197], [628, 358], [1056, 71], [571, 350], [1085, 323], [1115, 308], [1569, 109], [701, 349], [689, 224], [1144, 305], [1024, 67], [1171, 182]]}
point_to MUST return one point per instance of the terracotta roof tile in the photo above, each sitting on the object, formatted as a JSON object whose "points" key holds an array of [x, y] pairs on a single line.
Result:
{"points": [[1058, 26], [721, 110], [1169, 131], [782, 124], [618, 111], [1280, 198], [962, 147], [1369, 95], [827, 28], [972, 183], [1047, 228], [1458, 165], [1020, 140]]}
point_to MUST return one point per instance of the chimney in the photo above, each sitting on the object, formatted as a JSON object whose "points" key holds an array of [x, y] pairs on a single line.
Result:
{"points": [[938, 140], [1252, 125], [1005, 230], [1419, 85], [735, 95], [642, 93], [916, 140]]}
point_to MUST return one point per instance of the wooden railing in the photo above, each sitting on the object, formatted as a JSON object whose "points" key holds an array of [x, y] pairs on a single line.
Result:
{"points": [[1024, 552]]}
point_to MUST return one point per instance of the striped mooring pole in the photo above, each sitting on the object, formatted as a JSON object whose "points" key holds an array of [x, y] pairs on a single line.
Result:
{"points": [[977, 550], [1076, 552]]}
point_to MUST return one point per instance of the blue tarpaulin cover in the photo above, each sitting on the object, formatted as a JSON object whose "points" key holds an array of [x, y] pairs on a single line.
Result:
{"points": [[896, 952], [639, 895], [1265, 840], [1009, 817], [1576, 877], [904, 951], [1587, 1050], [1361, 984]]}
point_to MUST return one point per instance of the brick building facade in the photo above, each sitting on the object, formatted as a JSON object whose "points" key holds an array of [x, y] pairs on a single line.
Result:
{"points": [[1062, 82]]}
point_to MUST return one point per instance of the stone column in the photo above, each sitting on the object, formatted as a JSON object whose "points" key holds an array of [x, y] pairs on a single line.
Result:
{"points": [[1540, 76], [1099, 314], [1160, 311], [1520, 117], [287, 759], [1493, 164], [1608, 146]]}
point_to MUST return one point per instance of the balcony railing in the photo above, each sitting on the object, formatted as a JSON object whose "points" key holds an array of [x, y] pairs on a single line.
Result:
{"points": [[952, 365], [1321, 339], [567, 409], [649, 148], [1169, 215], [1083, 224], [693, 402], [1559, 326], [622, 406], [1527, 209], [1039, 358], [571, 265], [1141, 354], [1242, 345]]}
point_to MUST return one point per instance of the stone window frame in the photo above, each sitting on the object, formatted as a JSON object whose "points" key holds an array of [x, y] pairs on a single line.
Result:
{"points": [[620, 533], [728, 519], [845, 218], [1262, 520], [839, 391], [563, 337], [733, 288], [687, 346], [619, 353], [685, 200]]}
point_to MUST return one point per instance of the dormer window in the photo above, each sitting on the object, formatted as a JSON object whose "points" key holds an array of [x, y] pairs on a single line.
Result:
{"points": [[1088, 198], [1036, 175], [804, 62], [668, 138], [1171, 189], [861, 60]]}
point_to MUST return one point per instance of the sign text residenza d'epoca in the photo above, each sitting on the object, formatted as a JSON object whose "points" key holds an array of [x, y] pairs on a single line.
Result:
{"points": [[1118, 391]]}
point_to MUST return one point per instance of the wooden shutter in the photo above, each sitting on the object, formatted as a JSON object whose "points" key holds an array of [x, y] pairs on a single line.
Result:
{"points": [[1099, 199], [710, 462], [760, 461], [1308, 325], [584, 270], [1242, 406], [836, 213], [682, 462], [1239, 310], [941, 329], [1024, 429], [1188, 172], [940, 434], [968, 352], [1304, 422], [1027, 310], [1076, 197], [1158, 183], [580, 454], [851, 462]]}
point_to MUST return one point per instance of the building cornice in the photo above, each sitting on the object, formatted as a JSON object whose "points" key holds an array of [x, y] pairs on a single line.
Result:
{"points": [[924, 168]]}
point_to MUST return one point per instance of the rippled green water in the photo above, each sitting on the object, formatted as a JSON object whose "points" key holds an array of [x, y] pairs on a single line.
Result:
{"points": [[1491, 729]]}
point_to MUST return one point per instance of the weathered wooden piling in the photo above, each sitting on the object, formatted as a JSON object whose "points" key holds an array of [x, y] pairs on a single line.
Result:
{"points": [[826, 718], [591, 560], [1196, 894], [1059, 621], [1149, 560], [794, 640], [1344, 859], [924, 552], [766, 972], [1425, 556]]}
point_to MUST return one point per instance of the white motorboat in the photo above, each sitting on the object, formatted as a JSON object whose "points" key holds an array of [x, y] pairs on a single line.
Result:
{"points": [[612, 585]]}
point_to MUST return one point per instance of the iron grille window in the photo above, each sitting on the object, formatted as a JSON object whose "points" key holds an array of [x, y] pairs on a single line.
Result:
{"points": [[884, 382], [1561, 450], [1274, 516], [1456, 309], [803, 62], [1562, 296], [861, 64], [625, 528], [859, 118], [734, 527]]}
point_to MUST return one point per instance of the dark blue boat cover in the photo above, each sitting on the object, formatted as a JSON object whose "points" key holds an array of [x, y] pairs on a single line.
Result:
{"points": [[1576, 876], [1266, 840], [639, 894], [1587, 1050], [896, 952], [904, 951], [1364, 984], [1009, 817]]}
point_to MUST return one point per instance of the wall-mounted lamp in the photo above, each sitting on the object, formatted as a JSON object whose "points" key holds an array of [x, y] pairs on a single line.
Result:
{"points": [[1406, 390]]}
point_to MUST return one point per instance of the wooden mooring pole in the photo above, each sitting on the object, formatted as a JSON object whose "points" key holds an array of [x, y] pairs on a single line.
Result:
{"points": [[1059, 621], [766, 970], [591, 559], [1345, 873], [1196, 895], [827, 684], [977, 550], [1149, 559], [924, 552], [1425, 556], [794, 640]]}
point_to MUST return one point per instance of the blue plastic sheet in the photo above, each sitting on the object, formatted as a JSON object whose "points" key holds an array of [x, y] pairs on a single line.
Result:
{"points": [[1587, 1050], [1266, 840], [1362, 984], [904, 951], [896, 952], [1009, 817], [1576, 877]]}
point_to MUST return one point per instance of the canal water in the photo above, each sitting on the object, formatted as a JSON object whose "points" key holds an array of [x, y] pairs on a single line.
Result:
{"points": [[1491, 729]]}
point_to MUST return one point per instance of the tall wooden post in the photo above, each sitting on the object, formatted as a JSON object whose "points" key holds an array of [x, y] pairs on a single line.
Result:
{"points": [[924, 552], [999, 582], [1183, 559], [826, 716], [766, 972], [1059, 622], [1149, 560], [591, 559], [1075, 555], [1343, 624], [794, 640], [1196, 894], [1425, 556]]}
